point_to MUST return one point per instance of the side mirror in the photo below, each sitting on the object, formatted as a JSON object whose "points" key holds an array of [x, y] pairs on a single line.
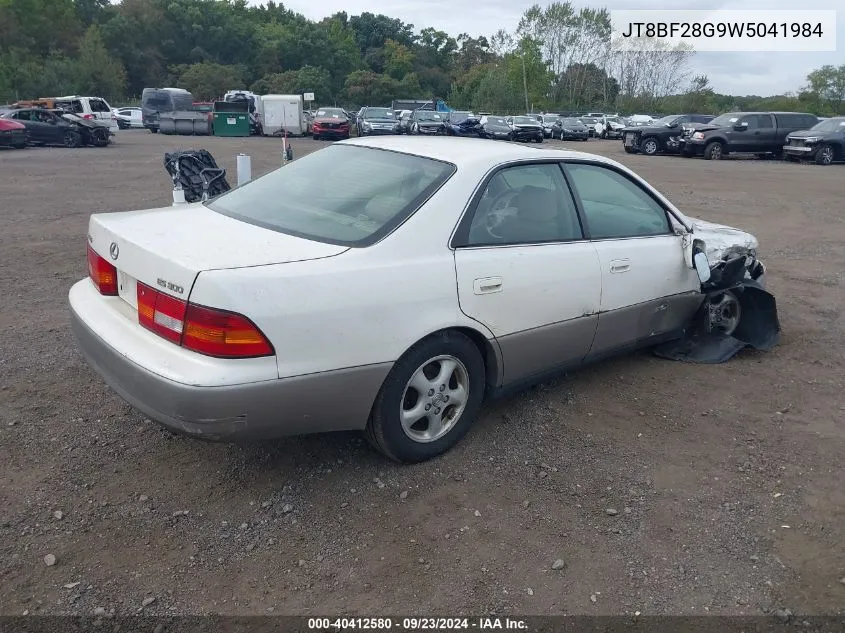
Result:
{"points": [[702, 266]]}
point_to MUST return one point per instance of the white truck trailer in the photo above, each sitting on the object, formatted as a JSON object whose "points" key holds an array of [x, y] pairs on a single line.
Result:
{"points": [[283, 113]]}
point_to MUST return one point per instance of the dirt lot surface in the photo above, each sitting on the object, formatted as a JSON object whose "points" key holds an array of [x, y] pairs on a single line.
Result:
{"points": [[663, 487]]}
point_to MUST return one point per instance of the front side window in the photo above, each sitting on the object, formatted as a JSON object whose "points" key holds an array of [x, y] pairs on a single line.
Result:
{"points": [[344, 195], [525, 204], [614, 206]]}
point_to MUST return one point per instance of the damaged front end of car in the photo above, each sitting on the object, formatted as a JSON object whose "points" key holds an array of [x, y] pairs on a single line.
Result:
{"points": [[737, 311], [92, 132]]}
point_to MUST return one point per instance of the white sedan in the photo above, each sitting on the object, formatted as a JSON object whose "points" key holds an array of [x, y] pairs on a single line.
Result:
{"points": [[390, 284]]}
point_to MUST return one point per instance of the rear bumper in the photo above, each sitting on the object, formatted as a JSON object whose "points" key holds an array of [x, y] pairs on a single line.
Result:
{"points": [[327, 401]]}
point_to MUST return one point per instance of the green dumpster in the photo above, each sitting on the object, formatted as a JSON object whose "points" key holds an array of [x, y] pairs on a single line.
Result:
{"points": [[231, 119]]}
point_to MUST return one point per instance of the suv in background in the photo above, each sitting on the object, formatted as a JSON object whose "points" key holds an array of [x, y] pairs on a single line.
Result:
{"points": [[824, 143], [759, 133], [89, 108], [661, 136]]}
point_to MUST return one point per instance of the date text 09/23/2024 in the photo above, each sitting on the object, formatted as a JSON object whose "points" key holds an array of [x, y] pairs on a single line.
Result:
{"points": [[416, 624]]}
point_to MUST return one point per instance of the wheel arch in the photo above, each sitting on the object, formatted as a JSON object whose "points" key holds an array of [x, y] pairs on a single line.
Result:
{"points": [[491, 354]]}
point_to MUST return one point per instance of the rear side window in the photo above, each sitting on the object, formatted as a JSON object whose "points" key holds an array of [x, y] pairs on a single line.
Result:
{"points": [[158, 101], [98, 105], [351, 196], [764, 121]]}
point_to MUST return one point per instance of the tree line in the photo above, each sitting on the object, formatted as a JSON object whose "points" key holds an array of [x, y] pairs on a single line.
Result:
{"points": [[558, 58]]}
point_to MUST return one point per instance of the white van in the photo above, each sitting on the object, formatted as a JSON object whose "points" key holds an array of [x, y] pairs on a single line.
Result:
{"points": [[89, 108]]}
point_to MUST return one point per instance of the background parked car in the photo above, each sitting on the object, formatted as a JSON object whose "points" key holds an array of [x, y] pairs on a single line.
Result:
{"points": [[526, 128], [377, 121], [664, 135], [426, 122], [759, 133], [12, 133], [495, 127], [548, 122], [128, 117], [330, 123], [463, 124], [56, 127], [824, 143], [570, 129], [89, 108]]}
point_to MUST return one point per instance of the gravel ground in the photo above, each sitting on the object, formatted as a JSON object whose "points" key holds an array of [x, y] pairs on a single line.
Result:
{"points": [[634, 485]]}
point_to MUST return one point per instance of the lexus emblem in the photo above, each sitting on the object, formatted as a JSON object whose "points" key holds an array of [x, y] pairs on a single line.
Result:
{"points": [[114, 250]]}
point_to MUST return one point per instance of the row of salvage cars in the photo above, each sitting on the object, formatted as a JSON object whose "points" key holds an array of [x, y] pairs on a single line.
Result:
{"points": [[22, 126], [792, 136], [253, 314]]}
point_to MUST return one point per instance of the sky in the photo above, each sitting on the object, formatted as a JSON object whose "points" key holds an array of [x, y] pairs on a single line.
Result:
{"points": [[730, 73]]}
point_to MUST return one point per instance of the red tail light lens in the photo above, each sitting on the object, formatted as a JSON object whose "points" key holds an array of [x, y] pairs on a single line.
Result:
{"points": [[204, 330], [87, 116], [161, 313], [102, 273], [223, 334]]}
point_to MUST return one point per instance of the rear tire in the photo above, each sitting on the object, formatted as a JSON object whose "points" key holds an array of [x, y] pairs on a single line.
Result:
{"points": [[628, 150], [413, 419], [540, 139], [153, 130], [649, 146]]}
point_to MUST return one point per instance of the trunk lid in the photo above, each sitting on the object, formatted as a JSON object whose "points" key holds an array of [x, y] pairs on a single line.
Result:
{"points": [[167, 248]]}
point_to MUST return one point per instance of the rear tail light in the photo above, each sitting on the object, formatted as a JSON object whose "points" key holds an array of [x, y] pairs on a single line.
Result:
{"points": [[102, 273], [198, 328], [87, 116]]}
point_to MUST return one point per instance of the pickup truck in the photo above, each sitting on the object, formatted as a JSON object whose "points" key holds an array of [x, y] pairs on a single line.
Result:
{"points": [[759, 133], [661, 136]]}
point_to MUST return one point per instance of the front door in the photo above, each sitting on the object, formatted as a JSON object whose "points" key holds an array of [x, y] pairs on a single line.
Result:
{"points": [[648, 292], [526, 272]]}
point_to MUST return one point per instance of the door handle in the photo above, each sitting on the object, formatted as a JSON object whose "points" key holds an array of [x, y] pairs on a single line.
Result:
{"points": [[620, 265], [487, 285]]}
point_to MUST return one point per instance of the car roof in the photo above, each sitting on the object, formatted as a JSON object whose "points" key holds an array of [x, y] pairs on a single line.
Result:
{"points": [[467, 152]]}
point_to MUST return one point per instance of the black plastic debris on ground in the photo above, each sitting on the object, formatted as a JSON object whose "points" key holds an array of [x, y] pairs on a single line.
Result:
{"points": [[758, 327], [196, 171]]}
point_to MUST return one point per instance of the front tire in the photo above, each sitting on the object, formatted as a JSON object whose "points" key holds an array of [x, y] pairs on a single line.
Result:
{"points": [[429, 399], [825, 155], [714, 151]]}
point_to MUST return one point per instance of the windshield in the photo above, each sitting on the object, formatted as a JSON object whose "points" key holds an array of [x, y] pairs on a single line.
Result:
{"points": [[372, 191], [588, 120], [158, 101], [726, 119], [550, 119], [458, 116], [496, 120], [667, 120], [378, 113], [574, 122], [427, 115], [524, 120], [830, 125], [330, 113]]}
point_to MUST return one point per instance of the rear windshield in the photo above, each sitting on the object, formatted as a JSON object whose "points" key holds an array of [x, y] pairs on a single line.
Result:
{"points": [[158, 101], [342, 194]]}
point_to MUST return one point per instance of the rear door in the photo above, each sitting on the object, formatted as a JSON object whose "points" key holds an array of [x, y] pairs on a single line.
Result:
{"points": [[526, 272], [647, 289], [765, 136]]}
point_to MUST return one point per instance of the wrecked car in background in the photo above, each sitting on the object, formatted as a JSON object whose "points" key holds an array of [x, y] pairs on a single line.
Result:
{"points": [[207, 318], [57, 127]]}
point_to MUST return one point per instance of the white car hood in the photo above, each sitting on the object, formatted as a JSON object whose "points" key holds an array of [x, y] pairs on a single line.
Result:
{"points": [[721, 240]]}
